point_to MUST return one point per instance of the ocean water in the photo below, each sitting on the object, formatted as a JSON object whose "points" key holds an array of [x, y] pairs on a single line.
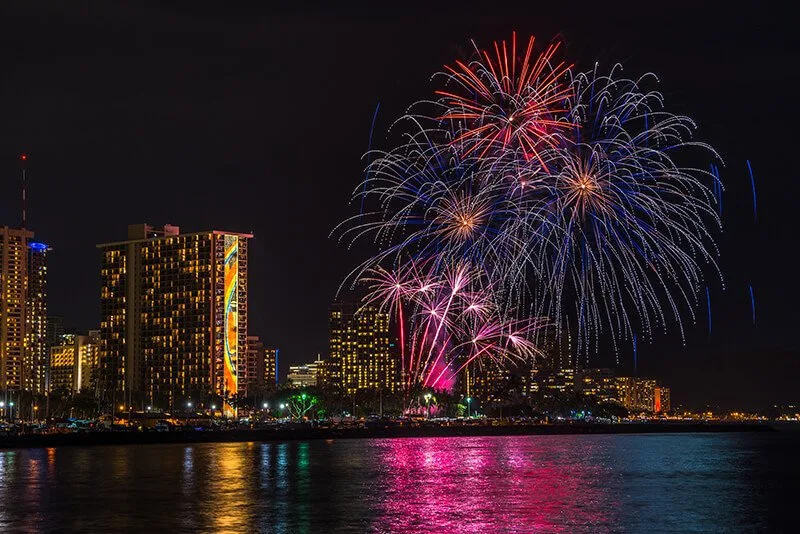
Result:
{"points": [[739, 482]]}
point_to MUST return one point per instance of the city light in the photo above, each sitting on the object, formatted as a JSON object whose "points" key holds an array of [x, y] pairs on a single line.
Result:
{"points": [[265, 405]]}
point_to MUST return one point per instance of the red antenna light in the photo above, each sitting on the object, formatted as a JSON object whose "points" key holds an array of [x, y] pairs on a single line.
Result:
{"points": [[23, 157]]}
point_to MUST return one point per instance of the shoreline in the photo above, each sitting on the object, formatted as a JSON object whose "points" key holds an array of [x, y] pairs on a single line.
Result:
{"points": [[87, 439]]}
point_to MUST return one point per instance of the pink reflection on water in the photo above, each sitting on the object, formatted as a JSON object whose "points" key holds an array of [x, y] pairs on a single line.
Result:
{"points": [[519, 484]]}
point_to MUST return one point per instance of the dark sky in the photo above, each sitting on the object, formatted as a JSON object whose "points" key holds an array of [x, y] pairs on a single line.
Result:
{"points": [[257, 120]]}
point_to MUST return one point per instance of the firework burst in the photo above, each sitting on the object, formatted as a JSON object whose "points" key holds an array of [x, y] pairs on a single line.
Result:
{"points": [[535, 191], [454, 322], [625, 233], [502, 103]]}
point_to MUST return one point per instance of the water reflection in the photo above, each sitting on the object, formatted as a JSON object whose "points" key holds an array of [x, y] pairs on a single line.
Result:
{"points": [[228, 500], [513, 484], [480, 484]]}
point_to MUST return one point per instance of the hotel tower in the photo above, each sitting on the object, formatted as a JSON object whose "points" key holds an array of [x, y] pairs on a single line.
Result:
{"points": [[173, 315], [24, 354]]}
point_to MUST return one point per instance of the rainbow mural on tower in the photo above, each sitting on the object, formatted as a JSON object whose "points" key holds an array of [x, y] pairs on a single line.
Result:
{"points": [[231, 312]]}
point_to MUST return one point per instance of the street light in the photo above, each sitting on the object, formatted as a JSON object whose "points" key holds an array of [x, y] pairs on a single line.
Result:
{"points": [[469, 401], [266, 405]]}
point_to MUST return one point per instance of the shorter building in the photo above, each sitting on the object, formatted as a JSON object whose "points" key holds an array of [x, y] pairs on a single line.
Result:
{"points": [[636, 394], [304, 375], [271, 368], [598, 383], [74, 363], [488, 383], [55, 330], [257, 371], [250, 372], [362, 352], [560, 380], [661, 400]]}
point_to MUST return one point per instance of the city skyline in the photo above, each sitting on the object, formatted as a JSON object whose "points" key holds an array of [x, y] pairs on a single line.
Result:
{"points": [[291, 212]]}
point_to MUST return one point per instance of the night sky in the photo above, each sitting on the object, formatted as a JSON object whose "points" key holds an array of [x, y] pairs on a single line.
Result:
{"points": [[256, 120]]}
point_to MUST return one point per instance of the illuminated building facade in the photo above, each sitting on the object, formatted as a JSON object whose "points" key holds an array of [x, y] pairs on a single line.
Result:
{"points": [[23, 312], [636, 393], [559, 380], [598, 383], [304, 375], [661, 400], [38, 355], [13, 301], [361, 355], [173, 313], [271, 368], [74, 363], [488, 382]]}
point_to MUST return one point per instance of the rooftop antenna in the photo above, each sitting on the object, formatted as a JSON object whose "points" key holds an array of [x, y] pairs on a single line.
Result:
{"points": [[23, 159]]}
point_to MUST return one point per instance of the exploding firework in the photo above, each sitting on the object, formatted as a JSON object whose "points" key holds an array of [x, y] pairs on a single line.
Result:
{"points": [[624, 232], [500, 103], [535, 191], [453, 322]]}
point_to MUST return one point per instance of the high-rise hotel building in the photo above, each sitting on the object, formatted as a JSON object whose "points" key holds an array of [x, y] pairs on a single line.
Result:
{"points": [[23, 312], [361, 356], [173, 313], [36, 321]]}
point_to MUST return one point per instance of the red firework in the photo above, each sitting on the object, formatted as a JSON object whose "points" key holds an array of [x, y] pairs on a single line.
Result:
{"points": [[507, 102]]}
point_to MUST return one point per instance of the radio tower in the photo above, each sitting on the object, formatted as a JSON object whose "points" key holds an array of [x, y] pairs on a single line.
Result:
{"points": [[23, 159]]}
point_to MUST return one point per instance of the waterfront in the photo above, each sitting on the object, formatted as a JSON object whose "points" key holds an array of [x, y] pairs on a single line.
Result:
{"points": [[666, 482]]}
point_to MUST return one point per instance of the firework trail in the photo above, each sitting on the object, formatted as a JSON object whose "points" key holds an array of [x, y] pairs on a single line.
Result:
{"points": [[753, 304], [369, 149], [753, 185], [718, 189]]}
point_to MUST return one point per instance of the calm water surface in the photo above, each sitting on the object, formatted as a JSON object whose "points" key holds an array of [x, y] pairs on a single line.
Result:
{"points": [[630, 483]]}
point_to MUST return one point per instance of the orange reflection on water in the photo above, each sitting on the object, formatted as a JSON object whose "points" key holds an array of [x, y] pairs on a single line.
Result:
{"points": [[229, 505]]}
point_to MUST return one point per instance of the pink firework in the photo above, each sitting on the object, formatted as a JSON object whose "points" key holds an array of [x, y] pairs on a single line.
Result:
{"points": [[447, 323]]}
